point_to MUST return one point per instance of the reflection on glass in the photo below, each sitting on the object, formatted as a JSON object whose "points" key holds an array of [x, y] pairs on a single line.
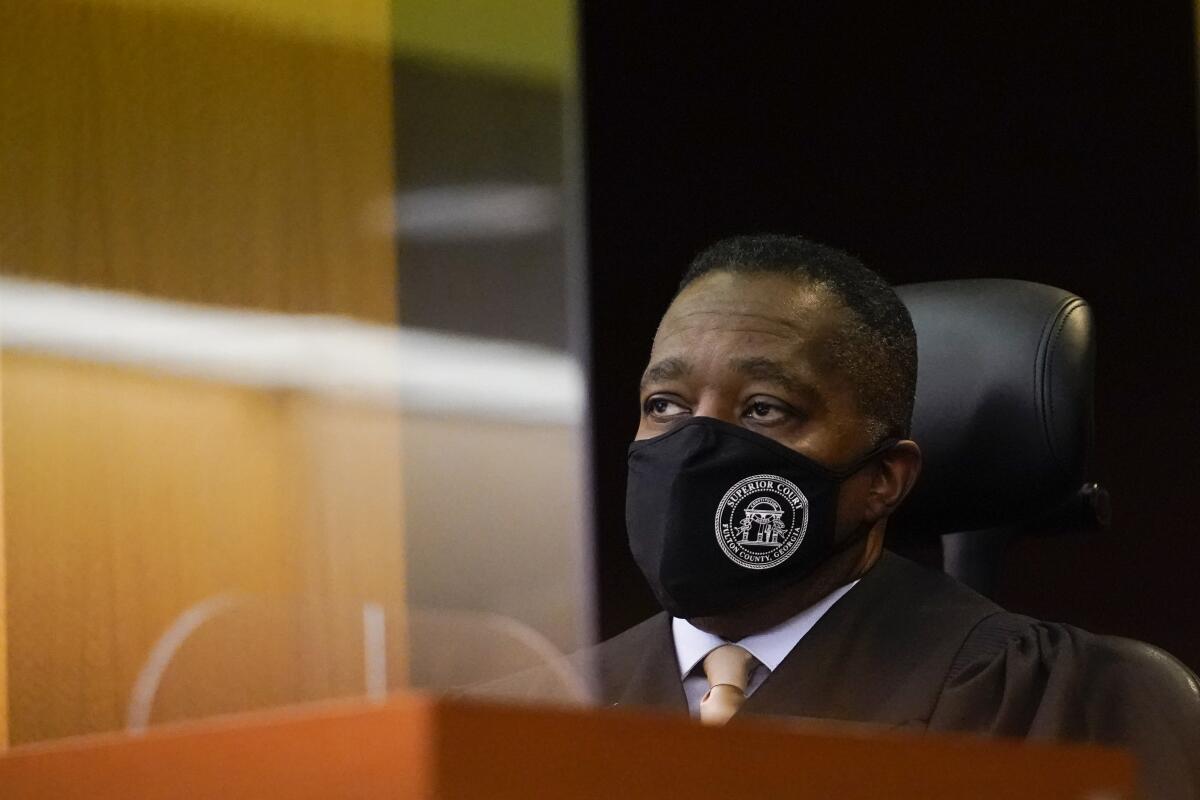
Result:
{"points": [[288, 411]]}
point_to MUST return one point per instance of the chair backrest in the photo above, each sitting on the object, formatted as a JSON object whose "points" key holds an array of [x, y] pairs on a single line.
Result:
{"points": [[1003, 417], [1004, 402]]}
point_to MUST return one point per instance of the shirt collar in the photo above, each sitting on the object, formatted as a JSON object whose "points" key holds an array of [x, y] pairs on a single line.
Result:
{"points": [[769, 646]]}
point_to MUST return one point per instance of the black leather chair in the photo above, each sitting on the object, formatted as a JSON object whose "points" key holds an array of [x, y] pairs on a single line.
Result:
{"points": [[1004, 420], [1003, 417]]}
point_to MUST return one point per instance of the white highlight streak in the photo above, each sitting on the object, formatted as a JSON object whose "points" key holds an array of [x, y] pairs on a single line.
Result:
{"points": [[141, 699], [545, 649], [468, 212], [405, 368], [374, 652]]}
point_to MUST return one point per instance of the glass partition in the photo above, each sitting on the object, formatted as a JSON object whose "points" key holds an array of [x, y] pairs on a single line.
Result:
{"points": [[289, 411]]}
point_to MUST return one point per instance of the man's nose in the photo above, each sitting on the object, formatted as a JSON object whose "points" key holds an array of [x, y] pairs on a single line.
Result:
{"points": [[717, 408]]}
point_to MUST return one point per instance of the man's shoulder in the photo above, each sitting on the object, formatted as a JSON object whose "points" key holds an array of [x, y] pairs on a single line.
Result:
{"points": [[1023, 677], [899, 587], [1109, 664]]}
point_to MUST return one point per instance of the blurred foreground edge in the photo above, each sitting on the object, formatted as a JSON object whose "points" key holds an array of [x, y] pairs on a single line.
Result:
{"points": [[417, 746]]}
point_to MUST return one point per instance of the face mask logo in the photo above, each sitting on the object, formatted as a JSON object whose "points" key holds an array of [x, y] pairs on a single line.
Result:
{"points": [[761, 521]]}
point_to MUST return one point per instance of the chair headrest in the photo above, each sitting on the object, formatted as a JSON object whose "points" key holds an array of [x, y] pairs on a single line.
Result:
{"points": [[1004, 402]]}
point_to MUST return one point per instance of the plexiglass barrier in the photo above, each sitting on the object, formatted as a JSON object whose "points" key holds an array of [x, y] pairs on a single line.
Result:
{"points": [[237, 652], [288, 412]]}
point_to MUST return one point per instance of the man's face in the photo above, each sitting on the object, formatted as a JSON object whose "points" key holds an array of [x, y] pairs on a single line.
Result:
{"points": [[754, 350]]}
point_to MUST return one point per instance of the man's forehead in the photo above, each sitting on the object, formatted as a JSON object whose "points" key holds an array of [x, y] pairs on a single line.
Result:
{"points": [[784, 373], [765, 305]]}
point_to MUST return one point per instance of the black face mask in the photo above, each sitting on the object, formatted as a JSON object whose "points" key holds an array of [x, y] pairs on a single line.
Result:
{"points": [[720, 517]]}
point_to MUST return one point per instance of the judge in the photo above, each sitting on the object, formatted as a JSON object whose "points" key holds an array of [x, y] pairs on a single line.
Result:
{"points": [[772, 448]]}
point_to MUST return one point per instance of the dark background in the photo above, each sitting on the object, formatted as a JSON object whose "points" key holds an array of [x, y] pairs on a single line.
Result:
{"points": [[1054, 142]]}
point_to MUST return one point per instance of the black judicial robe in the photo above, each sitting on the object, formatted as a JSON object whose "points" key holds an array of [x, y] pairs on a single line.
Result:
{"points": [[912, 648]]}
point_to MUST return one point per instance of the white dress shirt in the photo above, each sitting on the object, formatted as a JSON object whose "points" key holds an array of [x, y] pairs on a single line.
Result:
{"points": [[768, 647]]}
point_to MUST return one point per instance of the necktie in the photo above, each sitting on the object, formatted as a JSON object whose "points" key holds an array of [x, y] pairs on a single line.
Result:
{"points": [[728, 671]]}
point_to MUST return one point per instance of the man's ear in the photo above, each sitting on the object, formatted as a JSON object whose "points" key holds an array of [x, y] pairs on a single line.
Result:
{"points": [[896, 472]]}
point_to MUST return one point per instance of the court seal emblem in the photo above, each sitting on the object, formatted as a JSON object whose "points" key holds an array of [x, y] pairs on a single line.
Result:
{"points": [[761, 521]]}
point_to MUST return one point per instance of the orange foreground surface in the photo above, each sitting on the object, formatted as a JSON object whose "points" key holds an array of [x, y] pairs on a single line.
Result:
{"points": [[421, 747]]}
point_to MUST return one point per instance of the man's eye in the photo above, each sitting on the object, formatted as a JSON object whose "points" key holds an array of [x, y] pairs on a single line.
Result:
{"points": [[761, 411], [662, 407]]}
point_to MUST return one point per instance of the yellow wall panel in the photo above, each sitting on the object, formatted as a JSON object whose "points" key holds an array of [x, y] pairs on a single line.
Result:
{"points": [[173, 149], [217, 152], [128, 502], [352, 23], [533, 40], [132, 497]]}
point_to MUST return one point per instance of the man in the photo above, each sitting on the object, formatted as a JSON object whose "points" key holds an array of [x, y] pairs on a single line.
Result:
{"points": [[771, 450]]}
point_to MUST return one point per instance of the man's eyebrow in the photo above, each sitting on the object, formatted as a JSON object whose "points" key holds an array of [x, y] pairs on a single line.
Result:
{"points": [[668, 369], [764, 369]]}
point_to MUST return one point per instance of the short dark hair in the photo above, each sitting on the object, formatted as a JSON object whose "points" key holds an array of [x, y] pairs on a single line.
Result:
{"points": [[877, 349]]}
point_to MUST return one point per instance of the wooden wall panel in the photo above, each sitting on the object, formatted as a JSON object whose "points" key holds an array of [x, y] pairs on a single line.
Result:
{"points": [[213, 152], [219, 152], [132, 497], [128, 502], [350, 545]]}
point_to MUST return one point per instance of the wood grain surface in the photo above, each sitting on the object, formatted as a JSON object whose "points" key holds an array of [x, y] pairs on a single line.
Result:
{"points": [[131, 498], [226, 153], [414, 747]]}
